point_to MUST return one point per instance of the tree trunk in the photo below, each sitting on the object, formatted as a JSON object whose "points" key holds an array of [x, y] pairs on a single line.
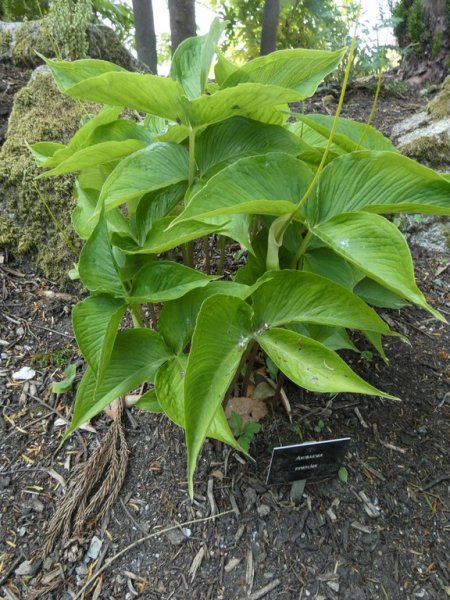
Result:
{"points": [[426, 41], [182, 21], [271, 17], [145, 34]]}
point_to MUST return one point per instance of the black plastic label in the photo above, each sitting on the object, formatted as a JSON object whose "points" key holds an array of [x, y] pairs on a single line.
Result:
{"points": [[306, 461]]}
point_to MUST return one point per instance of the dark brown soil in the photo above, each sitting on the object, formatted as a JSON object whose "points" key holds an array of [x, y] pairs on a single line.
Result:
{"points": [[382, 535]]}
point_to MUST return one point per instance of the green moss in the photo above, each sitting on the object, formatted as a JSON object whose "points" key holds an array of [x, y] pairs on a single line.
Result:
{"points": [[5, 43], [31, 37], [40, 112], [433, 150], [439, 107]]}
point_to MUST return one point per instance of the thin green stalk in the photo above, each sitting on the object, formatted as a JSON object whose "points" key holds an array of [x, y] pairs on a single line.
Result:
{"points": [[351, 55], [222, 244], [298, 259], [136, 315], [55, 221], [280, 225], [188, 248], [374, 103], [207, 256]]}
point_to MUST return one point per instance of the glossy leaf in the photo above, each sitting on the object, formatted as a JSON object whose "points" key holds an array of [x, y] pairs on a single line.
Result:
{"points": [[149, 402], [106, 83], [177, 318], [136, 356], [95, 155], [248, 100], [95, 323], [377, 295], [155, 205], [221, 336], [169, 385], [294, 296], [327, 263], [159, 239], [97, 267], [83, 219], [312, 365], [223, 68], [239, 137], [192, 60], [270, 184], [350, 135], [165, 280], [299, 69], [157, 166], [379, 182], [334, 338], [378, 249]]}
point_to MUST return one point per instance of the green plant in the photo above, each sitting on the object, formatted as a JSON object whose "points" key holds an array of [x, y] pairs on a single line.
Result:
{"points": [[306, 199], [68, 24], [60, 387], [320, 426], [244, 432]]}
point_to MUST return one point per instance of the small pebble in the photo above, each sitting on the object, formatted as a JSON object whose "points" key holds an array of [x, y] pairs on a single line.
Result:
{"points": [[24, 374], [94, 548], [263, 510], [28, 568]]}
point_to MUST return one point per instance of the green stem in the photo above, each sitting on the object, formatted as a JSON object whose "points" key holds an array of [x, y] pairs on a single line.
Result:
{"points": [[192, 165], [280, 225], [207, 256], [222, 244], [296, 263], [136, 315]]}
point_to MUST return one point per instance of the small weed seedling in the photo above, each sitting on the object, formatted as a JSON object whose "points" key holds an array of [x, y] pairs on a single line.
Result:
{"points": [[305, 199]]}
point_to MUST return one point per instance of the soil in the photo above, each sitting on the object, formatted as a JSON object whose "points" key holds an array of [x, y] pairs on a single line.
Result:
{"points": [[382, 534]]}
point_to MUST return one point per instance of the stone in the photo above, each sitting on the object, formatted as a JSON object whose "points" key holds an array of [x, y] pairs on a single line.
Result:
{"points": [[425, 137]]}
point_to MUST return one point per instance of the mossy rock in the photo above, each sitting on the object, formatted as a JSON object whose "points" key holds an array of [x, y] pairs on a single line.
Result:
{"points": [[40, 112], [432, 150], [439, 107], [20, 41]]}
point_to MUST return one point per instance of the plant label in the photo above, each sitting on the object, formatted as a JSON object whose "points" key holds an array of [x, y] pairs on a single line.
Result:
{"points": [[309, 460]]}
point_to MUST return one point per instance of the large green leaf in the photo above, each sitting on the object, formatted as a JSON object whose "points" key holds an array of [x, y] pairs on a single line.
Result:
{"points": [[327, 263], [249, 100], [192, 60], [177, 318], [121, 130], [95, 155], [223, 68], [239, 137], [334, 338], [83, 219], [165, 280], [135, 359], [160, 240], [378, 249], [155, 205], [300, 70], [221, 336], [106, 83], [380, 182], [377, 295], [349, 135], [97, 267], [312, 365], [269, 184], [169, 383], [157, 166], [293, 296], [95, 323]]}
